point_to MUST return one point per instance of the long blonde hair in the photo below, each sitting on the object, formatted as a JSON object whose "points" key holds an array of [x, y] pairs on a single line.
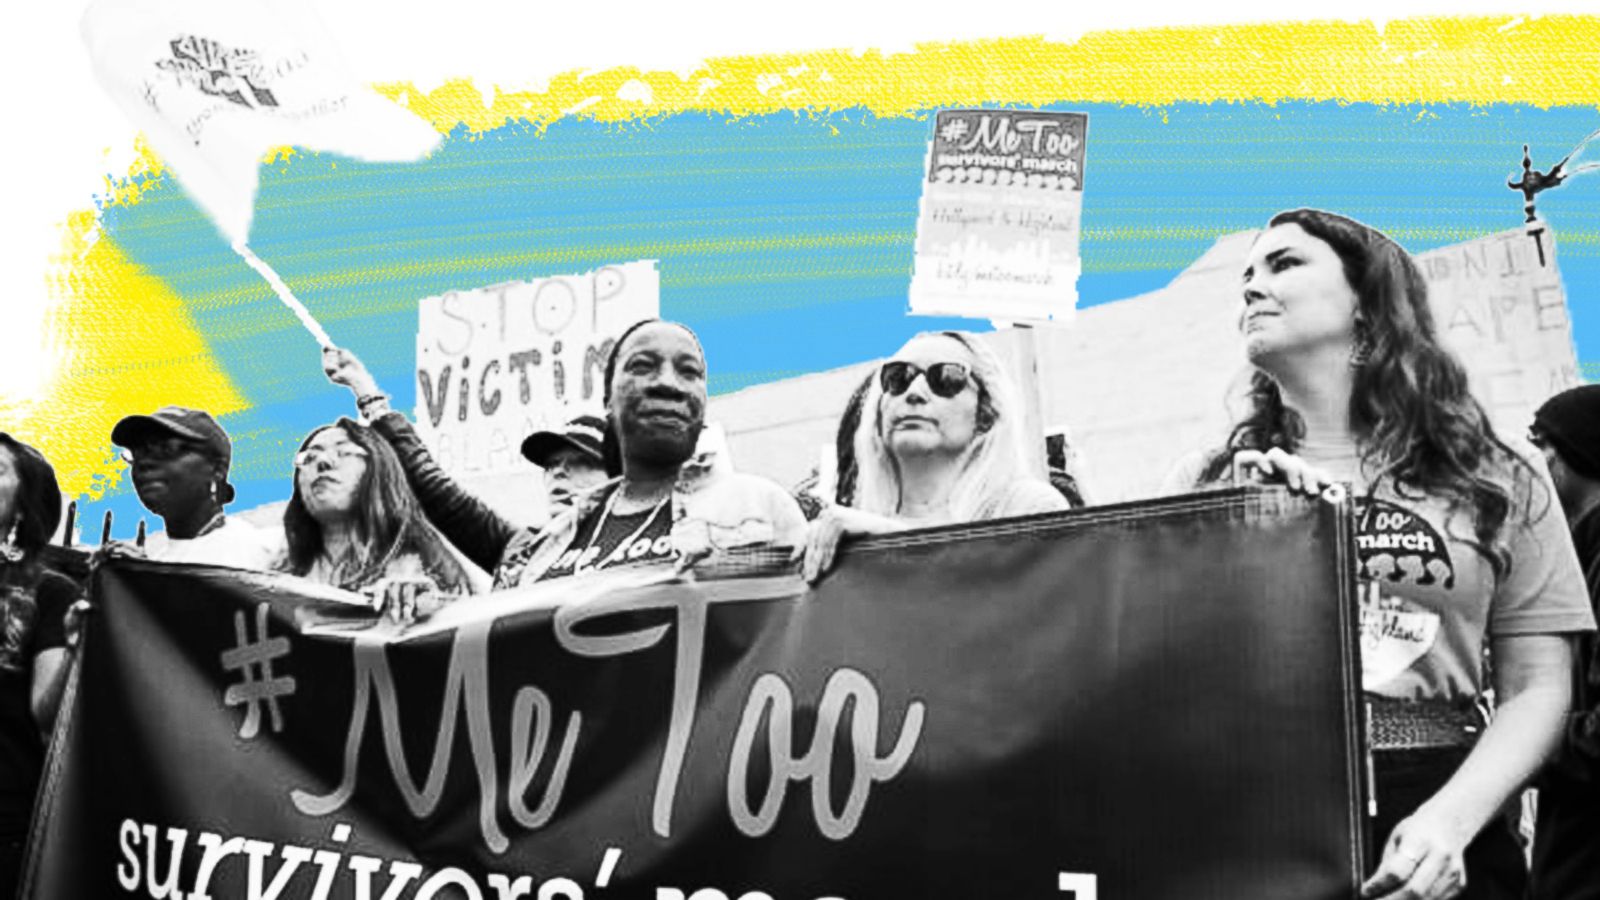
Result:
{"points": [[993, 461]]}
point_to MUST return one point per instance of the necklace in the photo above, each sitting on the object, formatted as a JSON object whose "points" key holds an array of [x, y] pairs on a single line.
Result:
{"points": [[212, 525], [605, 515]]}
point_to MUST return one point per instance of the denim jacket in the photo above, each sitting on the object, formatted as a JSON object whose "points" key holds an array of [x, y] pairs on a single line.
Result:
{"points": [[712, 511]]}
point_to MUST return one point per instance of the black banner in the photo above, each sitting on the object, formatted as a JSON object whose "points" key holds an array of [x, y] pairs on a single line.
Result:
{"points": [[1146, 701]]}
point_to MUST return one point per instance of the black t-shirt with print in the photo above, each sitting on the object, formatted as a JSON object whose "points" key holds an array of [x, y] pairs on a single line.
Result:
{"points": [[33, 607], [639, 537]]}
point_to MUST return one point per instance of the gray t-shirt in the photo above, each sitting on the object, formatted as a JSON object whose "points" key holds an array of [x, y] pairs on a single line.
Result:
{"points": [[1429, 599]]}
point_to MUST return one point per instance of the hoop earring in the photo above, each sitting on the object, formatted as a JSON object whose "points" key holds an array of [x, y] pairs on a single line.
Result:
{"points": [[1361, 353], [1361, 350]]}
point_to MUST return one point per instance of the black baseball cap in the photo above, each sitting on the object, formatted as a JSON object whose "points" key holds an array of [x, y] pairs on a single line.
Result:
{"points": [[190, 424], [583, 433]]}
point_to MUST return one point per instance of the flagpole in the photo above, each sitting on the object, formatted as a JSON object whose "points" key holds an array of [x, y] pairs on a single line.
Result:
{"points": [[284, 294]]}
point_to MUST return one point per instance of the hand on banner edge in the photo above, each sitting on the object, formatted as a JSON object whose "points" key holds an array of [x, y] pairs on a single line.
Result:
{"points": [[405, 599], [1280, 466], [115, 550], [826, 531]]}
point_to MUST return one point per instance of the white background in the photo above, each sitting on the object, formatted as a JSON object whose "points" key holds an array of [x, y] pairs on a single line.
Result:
{"points": [[63, 137]]}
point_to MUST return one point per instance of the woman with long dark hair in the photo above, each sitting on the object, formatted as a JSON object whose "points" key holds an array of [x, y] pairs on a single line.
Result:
{"points": [[846, 470], [34, 643], [939, 440], [353, 522], [1460, 543]]}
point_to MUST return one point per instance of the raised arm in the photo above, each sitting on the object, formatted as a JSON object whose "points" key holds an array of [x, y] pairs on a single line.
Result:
{"points": [[480, 533]]}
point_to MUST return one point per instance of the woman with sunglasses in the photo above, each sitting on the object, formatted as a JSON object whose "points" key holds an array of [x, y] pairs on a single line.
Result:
{"points": [[352, 522], [939, 442], [1459, 540], [179, 460]]}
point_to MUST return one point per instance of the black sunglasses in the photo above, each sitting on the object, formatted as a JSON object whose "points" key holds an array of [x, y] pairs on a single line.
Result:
{"points": [[944, 379]]}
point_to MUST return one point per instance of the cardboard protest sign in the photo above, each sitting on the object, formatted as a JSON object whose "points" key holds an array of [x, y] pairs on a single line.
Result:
{"points": [[1501, 307], [997, 237], [495, 364]]}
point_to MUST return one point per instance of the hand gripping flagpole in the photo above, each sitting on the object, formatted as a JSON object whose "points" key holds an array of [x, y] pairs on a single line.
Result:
{"points": [[282, 290]]}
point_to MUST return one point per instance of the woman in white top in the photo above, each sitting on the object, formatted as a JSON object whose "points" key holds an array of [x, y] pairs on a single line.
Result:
{"points": [[354, 523], [940, 442]]}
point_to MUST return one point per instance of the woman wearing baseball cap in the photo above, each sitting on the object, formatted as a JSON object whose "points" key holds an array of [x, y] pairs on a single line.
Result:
{"points": [[572, 459], [179, 462]]}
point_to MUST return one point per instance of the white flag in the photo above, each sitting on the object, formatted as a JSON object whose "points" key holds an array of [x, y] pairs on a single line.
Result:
{"points": [[216, 84]]}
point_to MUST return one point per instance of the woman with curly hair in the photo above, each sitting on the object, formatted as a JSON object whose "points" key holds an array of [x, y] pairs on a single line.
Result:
{"points": [[1459, 542], [34, 640], [353, 522], [939, 441]]}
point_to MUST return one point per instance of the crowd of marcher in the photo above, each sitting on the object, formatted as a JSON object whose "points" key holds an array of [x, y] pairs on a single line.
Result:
{"points": [[1350, 384]]}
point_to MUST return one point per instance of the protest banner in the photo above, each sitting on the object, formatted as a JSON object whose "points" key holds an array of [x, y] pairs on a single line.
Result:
{"points": [[1137, 702], [997, 235], [496, 364]]}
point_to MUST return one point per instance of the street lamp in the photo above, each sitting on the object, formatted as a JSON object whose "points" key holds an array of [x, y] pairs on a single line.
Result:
{"points": [[1534, 181]]}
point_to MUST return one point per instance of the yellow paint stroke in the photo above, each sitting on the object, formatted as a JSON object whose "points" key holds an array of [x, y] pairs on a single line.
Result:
{"points": [[1547, 61], [132, 346], [144, 174], [123, 342]]}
